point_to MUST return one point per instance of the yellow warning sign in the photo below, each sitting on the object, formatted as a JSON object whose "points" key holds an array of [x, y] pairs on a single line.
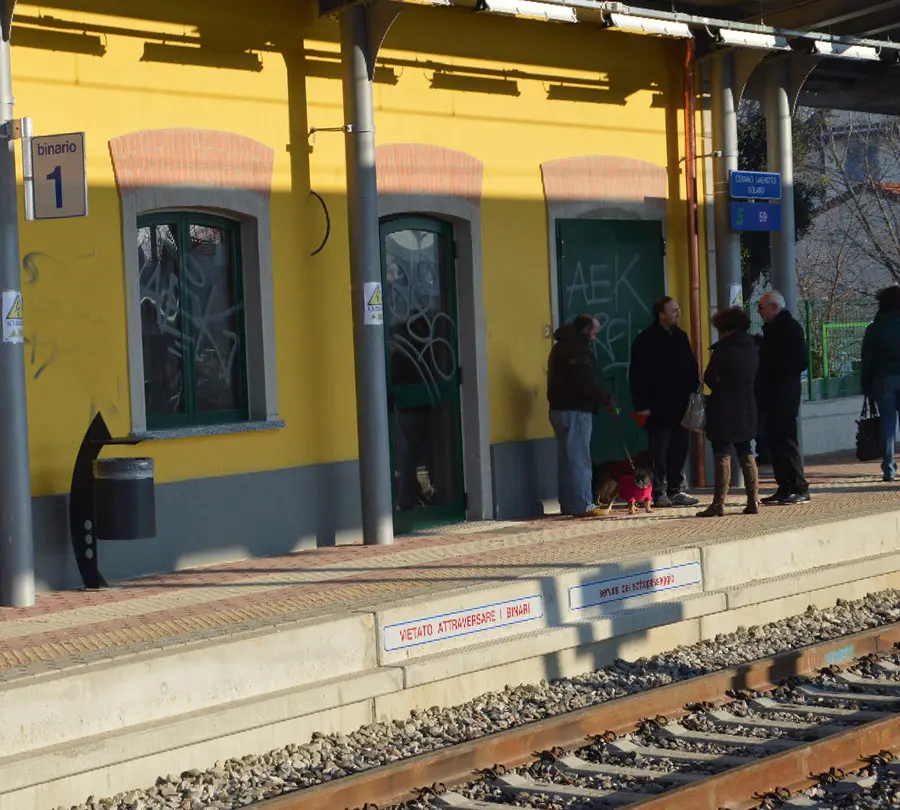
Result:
{"points": [[374, 304], [11, 304], [15, 311]]}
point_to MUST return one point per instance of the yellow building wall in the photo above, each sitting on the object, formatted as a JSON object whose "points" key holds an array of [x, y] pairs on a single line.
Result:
{"points": [[633, 108], [76, 355]]}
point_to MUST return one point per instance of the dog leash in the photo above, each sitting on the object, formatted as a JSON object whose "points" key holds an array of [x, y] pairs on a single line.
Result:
{"points": [[616, 414]]}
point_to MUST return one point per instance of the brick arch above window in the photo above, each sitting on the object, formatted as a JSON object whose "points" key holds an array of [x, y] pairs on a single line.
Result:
{"points": [[592, 178], [191, 174], [202, 157], [425, 169]]}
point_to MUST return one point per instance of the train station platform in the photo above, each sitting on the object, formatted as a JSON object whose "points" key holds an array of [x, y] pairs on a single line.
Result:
{"points": [[104, 691]]}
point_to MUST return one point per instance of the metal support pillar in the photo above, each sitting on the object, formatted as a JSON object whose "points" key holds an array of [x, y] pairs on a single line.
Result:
{"points": [[725, 97], [375, 470], [16, 533], [725, 100], [779, 136]]}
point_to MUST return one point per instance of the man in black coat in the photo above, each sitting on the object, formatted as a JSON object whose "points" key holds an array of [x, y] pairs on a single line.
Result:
{"points": [[575, 395], [663, 374], [782, 360]]}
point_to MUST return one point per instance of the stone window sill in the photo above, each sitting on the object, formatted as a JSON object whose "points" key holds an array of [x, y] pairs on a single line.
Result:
{"points": [[224, 429]]}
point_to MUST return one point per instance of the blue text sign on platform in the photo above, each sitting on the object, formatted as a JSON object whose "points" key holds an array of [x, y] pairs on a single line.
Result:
{"points": [[755, 185], [640, 583], [747, 216]]}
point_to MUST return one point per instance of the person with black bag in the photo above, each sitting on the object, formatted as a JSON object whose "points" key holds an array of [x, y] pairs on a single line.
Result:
{"points": [[880, 373]]}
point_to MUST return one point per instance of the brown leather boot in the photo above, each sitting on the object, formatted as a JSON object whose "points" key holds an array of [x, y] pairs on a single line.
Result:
{"points": [[723, 479], [751, 483]]}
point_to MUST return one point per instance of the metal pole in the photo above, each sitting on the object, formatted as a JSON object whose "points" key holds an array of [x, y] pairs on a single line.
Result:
{"points": [[690, 182], [375, 471], [709, 208], [779, 136], [16, 534], [728, 243], [725, 138]]}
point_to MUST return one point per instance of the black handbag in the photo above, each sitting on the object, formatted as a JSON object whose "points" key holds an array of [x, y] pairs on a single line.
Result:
{"points": [[869, 442]]}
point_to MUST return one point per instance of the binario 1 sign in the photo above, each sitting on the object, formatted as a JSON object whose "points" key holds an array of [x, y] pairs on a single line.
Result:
{"points": [[57, 176]]}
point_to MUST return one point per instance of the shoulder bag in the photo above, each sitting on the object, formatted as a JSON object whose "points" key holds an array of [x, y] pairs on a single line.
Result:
{"points": [[869, 442]]}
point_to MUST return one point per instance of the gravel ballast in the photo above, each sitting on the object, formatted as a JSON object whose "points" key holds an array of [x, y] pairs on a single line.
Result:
{"points": [[879, 790], [238, 782]]}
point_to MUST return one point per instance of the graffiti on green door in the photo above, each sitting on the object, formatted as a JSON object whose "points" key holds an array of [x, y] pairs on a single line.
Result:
{"points": [[613, 270]]}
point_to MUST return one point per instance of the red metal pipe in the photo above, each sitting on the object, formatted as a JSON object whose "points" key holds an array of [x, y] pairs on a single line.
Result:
{"points": [[690, 178]]}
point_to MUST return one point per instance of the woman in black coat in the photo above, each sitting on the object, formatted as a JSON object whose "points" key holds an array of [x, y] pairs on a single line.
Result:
{"points": [[731, 407]]}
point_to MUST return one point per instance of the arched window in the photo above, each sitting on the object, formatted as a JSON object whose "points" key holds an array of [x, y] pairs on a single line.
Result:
{"points": [[192, 319]]}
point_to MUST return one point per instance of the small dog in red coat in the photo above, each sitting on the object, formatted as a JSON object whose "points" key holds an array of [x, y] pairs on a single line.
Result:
{"points": [[609, 480], [636, 487]]}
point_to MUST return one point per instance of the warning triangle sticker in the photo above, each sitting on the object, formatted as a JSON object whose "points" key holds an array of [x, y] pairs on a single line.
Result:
{"points": [[375, 300], [15, 311]]}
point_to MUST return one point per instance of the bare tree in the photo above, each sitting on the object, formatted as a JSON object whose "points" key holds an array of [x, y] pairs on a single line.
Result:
{"points": [[852, 247]]}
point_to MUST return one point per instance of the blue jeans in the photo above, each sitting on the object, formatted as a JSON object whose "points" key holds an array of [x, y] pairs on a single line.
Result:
{"points": [[888, 398], [573, 452]]}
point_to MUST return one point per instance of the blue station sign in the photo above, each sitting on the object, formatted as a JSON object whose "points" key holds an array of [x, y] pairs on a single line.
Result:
{"points": [[752, 216], [755, 185]]}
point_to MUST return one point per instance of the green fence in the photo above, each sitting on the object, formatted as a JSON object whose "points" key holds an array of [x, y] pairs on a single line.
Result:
{"points": [[834, 334]]}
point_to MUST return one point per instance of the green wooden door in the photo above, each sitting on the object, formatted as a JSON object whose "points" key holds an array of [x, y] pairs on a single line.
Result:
{"points": [[423, 374], [613, 270]]}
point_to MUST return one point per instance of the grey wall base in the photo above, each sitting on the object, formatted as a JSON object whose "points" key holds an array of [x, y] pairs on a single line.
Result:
{"points": [[524, 473], [211, 520], [524, 477]]}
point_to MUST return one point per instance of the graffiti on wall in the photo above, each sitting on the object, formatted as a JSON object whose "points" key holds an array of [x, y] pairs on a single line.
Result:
{"points": [[606, 292], [422, 333], [41, 347], [188, 312]]}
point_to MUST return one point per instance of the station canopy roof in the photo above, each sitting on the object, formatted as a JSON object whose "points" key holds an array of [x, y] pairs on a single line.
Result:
{"points": [[839, 83], [836, 82]]}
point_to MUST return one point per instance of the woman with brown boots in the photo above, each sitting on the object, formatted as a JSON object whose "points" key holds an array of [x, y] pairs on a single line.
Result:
{"points": [[731, 407]]}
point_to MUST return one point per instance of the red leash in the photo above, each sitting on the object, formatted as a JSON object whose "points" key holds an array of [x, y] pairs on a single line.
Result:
{"points": [[616, 414]]}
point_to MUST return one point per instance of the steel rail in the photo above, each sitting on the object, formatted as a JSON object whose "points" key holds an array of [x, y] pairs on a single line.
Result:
{"points": [[399, 781], [740, 788]]}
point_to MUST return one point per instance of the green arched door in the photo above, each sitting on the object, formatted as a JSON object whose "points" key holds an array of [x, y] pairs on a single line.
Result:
{"points": [[423, 373]]}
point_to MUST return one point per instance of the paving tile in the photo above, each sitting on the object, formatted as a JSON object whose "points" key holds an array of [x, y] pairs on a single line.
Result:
{"points": [[150, 614]]}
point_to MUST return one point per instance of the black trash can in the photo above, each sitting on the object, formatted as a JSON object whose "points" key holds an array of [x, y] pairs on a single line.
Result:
{"points": [[124, 499]]}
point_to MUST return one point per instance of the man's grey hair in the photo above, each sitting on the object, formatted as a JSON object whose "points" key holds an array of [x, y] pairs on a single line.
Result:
{"points": [[775, 297]]}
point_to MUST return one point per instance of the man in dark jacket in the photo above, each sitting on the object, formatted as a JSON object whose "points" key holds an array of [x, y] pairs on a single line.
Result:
{"points": [[782, 359], [663, 375], [575, 395]]}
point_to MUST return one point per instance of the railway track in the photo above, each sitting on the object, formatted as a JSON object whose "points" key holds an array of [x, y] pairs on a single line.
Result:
{"points": [[751, 736], [639, 769]]}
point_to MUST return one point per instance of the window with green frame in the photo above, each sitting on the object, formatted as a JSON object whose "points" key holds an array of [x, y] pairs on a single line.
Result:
{"points": [[192, 320]]}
